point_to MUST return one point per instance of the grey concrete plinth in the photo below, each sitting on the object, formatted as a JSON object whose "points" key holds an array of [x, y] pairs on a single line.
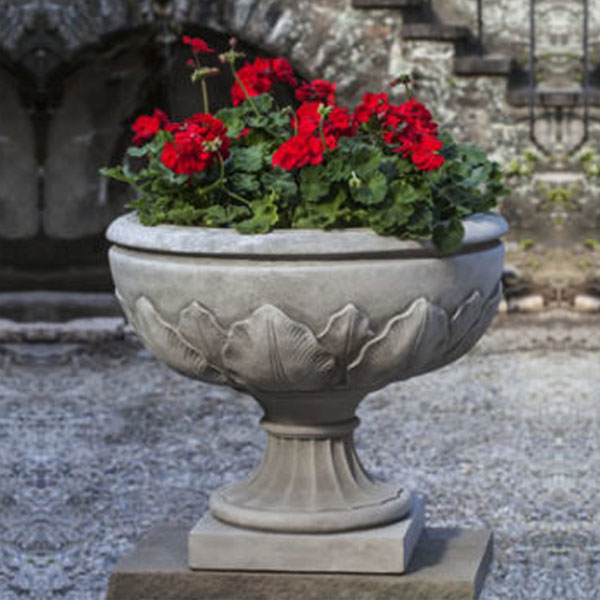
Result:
{"points": [[386, 549], [448, 564]]}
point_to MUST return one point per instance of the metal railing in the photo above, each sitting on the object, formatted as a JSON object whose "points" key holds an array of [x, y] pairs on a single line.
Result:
{"points": [[480, 25]]}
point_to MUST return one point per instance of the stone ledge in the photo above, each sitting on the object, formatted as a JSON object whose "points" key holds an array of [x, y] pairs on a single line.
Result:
{"points": [[449, 564], [387, 3], [435, 31], [553, 97], [94, 330], [489, 64]]}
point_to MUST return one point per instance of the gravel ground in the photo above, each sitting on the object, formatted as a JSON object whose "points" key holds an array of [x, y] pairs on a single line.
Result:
{"points": [[99, 442]]}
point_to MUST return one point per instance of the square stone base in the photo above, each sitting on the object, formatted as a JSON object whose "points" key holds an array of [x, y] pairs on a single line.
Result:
{"points": [[448, 564], [214, 545]]}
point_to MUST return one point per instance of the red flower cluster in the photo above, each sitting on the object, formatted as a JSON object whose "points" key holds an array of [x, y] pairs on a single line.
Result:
{"points": [[197, 143], [146, 127], [198, 45], [408, 126], [307, 147], [318, 90], [372, 105], [259, 77]]}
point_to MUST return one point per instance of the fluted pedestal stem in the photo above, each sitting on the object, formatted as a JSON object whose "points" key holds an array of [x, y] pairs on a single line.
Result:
{"points": [[310, 481]]}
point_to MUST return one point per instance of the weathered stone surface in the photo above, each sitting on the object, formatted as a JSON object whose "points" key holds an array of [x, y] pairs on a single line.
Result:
{"points": [[19, 215], [83, 135], [388, 549], [587, 303], [449, 564], [95, 330], [292, 336], [483, 65], [530, 303], [57, 306]]}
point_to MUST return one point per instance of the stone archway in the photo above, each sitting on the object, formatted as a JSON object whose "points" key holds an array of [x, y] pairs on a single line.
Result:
{"points": [[95, 65]]}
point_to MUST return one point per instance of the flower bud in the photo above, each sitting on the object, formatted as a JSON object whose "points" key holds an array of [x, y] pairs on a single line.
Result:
{"points": [[354, 182]]}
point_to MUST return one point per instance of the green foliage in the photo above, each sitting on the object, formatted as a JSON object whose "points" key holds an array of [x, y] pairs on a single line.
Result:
{"points": [[361, 183], [264, 216]]}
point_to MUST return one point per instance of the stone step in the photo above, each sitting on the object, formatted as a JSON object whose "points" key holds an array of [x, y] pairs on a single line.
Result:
{"points": [[52, 306], [553, 97], [435, 31], [387, 3], [485, 64]]}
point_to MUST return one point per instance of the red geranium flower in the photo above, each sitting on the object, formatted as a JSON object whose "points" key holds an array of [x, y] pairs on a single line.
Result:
{"points": [[282, 71], [146, 127], [307, 147], [197, 144], [302, 150], [198, 45], [372, 104], [424, 157], [258, 78], [317, 90], [338, 122]]}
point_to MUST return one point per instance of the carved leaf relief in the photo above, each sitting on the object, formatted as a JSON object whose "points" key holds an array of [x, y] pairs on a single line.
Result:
{"points": [[166, 343], [270, 351], [198, 326], [468, 326], [406, 343], [346, 333]]}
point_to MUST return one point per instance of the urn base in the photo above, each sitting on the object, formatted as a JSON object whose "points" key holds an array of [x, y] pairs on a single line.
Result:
{"points": [[215, 545], [310, 481]]}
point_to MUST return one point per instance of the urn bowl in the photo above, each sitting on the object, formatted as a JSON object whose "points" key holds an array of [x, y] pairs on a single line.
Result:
{"points": [[308, 322]]}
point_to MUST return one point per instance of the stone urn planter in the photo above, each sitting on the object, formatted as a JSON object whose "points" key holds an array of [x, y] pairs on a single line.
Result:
{"points": [[308, 322]]}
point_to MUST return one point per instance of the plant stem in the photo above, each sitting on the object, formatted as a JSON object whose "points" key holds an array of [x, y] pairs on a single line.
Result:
{"points": [[322, 134], [243, 87], [205, 96], [211, 187], [223, 181], [236, 196]]}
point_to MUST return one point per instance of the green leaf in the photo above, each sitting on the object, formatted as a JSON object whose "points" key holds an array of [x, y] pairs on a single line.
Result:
{"points": [[281, 182], [138, 150], [244, 183], [337, 169], [264, 103], [248, 160], [118, 173], [448, 235], [218, 215], [373, 191], [313, 185], [233, 119], [264, 216], [365, 159], [324, 215]]}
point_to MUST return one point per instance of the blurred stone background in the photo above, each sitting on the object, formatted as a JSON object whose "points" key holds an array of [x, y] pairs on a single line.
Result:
{"points": [[74, 74]]}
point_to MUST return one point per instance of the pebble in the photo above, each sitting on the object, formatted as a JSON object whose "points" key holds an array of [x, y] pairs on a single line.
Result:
{"points": [[527, 304], [587, 303]]}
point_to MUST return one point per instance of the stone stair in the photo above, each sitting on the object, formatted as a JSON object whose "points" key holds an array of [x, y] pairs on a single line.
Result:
{"points": [[471, 59]]}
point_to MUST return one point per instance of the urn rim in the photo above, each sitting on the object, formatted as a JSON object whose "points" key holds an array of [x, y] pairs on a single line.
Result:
{"points": [[481, 230]]}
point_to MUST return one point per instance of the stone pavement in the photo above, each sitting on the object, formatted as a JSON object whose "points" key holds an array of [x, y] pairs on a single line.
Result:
{"points": [[99, 443]]}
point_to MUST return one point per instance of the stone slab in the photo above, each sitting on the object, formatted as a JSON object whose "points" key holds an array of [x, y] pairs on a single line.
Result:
{"points": [[448, 564], [387, 549]]}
